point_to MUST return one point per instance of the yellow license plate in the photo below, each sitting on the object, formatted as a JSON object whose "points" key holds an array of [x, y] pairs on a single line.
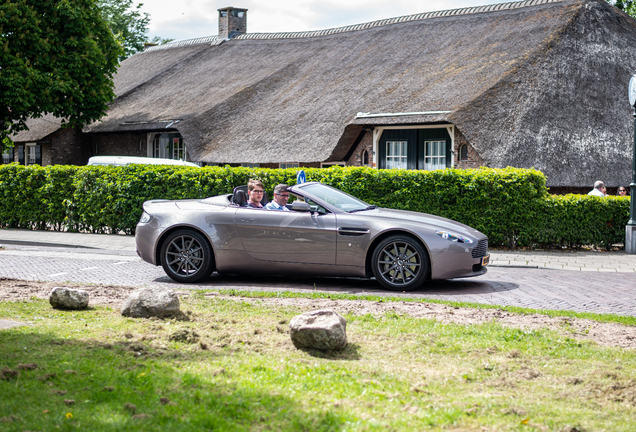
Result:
{"points": [[485, 260]]}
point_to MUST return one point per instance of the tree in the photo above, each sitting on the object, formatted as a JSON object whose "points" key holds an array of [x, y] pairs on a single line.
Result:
{"points": [[56, 56], [160, 41], [128, 24], [627, 6]]}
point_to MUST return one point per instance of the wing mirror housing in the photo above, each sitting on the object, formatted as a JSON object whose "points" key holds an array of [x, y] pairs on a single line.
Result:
{"points": [[300, 206]]}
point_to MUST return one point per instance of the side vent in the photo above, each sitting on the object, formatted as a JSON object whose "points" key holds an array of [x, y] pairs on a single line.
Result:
{"points": [[352, 232]]}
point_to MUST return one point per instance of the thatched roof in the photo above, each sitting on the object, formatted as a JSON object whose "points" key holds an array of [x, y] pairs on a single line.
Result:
{"points": [[539, 83], [38, 129]]}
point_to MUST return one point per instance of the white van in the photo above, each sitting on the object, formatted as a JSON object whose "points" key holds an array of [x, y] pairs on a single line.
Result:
{"points": [[126, 160]]}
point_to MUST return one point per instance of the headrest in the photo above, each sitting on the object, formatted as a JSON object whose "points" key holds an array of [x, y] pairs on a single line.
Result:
{"points": [[239, 197]]}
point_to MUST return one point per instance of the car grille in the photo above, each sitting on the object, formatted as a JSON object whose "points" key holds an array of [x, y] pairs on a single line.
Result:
{"points": [[481, 249]]}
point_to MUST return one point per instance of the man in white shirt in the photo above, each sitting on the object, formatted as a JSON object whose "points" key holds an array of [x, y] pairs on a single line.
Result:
{"points": [[281, 196], [599, 189]]}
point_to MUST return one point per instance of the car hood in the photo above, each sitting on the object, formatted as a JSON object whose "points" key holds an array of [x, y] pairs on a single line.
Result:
{"points": [[436, 222]]}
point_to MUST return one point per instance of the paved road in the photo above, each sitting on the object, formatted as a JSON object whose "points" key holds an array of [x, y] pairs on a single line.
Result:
{"points": [[610, 262], [538, 288]]}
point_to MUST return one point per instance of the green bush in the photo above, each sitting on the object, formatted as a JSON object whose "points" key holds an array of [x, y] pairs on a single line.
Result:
{"points": [[509, 205], [577, 220]]}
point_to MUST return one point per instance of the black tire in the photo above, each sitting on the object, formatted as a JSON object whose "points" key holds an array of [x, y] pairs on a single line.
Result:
{"points": [[186, 256], [400, 263]]}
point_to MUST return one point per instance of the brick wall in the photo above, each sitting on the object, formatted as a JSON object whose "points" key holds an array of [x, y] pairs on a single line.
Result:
{"points": [[473, 160], [366, 143], [119, 144], [66, 147]]}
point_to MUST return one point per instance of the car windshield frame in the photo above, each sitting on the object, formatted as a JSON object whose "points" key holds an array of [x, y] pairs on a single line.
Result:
{"points": [[332, 198]]}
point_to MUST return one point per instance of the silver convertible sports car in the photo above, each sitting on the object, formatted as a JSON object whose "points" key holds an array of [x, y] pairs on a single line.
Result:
{"points": [[326, 233]]}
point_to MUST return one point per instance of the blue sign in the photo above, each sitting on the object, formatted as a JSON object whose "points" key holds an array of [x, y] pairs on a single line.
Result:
{"points": [[300, 177]]}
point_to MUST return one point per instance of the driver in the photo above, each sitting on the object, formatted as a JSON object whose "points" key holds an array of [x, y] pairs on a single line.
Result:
{"points": [[255, 191], [281, 196]]}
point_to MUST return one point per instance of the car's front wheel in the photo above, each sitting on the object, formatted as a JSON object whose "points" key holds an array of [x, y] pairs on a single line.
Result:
{"points": [[400, 263], [186, 256]]}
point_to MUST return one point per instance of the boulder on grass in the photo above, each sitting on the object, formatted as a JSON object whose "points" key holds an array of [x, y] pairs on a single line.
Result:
{"points": [[68, 298], [322, 329], [152, 302]]}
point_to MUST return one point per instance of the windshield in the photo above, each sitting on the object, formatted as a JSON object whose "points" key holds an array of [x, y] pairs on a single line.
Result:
{"points": [[336, 198]]}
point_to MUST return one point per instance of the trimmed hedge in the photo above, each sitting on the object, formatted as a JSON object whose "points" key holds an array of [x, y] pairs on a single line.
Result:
{"points": [[511, 206]]}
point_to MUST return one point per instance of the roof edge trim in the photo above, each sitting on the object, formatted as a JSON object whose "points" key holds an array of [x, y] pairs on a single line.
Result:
{"points": [[369, 115], [215, 40], [405, 18]]}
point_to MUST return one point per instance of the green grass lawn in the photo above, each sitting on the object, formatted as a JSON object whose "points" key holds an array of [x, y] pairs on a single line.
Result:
{"points": [[233, 367]]}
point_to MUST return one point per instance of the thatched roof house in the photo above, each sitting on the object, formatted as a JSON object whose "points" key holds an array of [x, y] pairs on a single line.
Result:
{"points": [[537, 83]]}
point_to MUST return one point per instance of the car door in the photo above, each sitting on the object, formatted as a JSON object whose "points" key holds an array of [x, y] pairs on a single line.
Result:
{"points": [[354, 236], [287, 236]]}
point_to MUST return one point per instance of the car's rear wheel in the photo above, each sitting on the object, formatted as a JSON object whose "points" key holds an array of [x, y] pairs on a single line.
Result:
{"points": [[400, 263], [186, 256]]}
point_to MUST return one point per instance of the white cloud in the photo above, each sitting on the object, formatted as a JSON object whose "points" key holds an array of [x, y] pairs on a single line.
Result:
{"points": [[186, 19]]}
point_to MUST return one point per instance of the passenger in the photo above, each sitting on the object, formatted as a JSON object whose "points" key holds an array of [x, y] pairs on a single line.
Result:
{"points": [[622, 191], [281, 196], [599, 189], [255, 191]]}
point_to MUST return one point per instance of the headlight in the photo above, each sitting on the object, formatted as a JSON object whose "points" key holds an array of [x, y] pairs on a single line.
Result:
{"points": [[145, 218], [453, 237]]}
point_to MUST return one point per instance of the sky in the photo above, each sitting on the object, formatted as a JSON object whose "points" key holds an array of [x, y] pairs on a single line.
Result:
{"points": [[187, 19]]}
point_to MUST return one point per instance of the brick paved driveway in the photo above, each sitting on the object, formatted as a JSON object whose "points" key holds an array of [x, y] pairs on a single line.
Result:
{"points": [[533, 288]]}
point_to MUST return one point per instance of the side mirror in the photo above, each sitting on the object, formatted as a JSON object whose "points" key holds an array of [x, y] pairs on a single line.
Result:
{"points": [[300, 206]]}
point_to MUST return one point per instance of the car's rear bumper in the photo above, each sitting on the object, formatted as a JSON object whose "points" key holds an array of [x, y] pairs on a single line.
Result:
{"points": [[145, 241]]}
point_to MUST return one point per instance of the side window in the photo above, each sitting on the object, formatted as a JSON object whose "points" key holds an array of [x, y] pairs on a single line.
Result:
{"points": [[313, 204]]}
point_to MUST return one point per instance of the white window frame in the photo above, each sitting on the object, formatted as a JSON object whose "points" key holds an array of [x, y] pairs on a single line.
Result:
{"points": [[288, 165], [397, 157], [434, 155], [7, 156], [178, 148], [159, 147], [364, 153], [29, 150]]}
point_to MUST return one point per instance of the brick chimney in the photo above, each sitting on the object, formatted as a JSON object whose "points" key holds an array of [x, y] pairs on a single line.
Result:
{"points": [[232, 22]]}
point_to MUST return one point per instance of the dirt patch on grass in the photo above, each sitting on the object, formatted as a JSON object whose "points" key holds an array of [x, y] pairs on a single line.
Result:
{"points": [[102, 295], [606, 334]]}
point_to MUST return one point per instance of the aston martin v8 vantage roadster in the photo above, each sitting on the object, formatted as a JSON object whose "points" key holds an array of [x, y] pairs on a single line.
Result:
{"points": [[326, 233]]}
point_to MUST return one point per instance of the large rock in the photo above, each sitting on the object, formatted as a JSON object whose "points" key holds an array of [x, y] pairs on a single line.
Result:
{"points": [[68, 298], [322, 329], [152, 302]]}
